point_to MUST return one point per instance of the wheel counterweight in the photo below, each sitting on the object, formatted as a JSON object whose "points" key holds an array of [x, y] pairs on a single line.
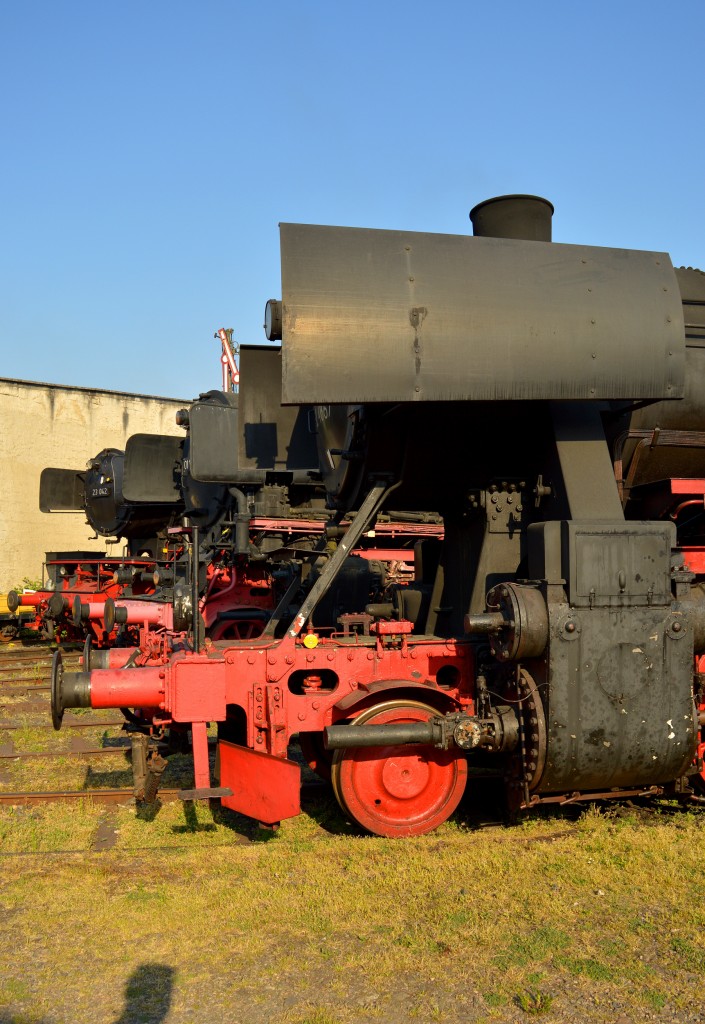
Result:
{"points": [[401, 790]]}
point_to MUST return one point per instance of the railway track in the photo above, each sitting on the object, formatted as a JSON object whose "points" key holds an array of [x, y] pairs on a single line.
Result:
{"points": [[15, 658], [91, 747], [34, 758]]}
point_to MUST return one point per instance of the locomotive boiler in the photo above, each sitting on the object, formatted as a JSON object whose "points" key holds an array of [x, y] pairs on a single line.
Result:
{"points": [[545, 400]]}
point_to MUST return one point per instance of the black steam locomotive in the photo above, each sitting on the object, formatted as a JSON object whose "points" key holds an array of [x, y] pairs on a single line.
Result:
{"points": [[544, 399]]}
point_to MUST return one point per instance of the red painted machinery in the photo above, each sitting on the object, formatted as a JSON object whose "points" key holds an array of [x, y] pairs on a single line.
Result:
{"points": [[70, 604]]}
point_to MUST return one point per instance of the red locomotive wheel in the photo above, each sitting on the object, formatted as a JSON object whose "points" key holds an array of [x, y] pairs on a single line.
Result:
{"points": [[403, 790], [236, 629]]}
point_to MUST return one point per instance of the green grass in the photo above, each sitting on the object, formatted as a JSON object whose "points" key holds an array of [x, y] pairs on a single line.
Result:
{"points": [[315, 925]]}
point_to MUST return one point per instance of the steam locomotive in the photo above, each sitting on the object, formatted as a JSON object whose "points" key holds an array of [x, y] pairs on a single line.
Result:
{"points": [[191, 544], [544, 399]]}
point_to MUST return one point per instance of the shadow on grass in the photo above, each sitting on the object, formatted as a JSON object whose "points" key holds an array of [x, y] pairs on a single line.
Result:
{"points": [[321, 805], [249, 830], [147, 997], [192, 824]]}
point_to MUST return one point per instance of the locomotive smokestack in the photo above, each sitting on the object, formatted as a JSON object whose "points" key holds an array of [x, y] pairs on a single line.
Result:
{"points": [[525, 217]]}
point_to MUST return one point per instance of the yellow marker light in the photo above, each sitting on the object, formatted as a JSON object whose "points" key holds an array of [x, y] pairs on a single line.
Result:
{"points": [[310, 641]]}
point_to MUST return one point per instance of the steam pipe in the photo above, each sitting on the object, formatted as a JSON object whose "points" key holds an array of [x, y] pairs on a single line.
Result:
{"points": [[242, 521]]}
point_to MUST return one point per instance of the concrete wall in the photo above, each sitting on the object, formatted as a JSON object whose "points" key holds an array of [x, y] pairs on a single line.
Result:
{"points": [[46, 425]]}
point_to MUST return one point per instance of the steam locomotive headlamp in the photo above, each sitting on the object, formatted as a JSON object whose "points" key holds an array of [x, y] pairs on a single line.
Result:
{"points": [[273, 320]]}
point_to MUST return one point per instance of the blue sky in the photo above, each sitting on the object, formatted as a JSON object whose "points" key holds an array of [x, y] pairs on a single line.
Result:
{"points": [[150, 149]]}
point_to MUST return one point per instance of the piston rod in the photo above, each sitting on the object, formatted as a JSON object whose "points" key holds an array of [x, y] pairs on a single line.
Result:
{"points": [[499, 732], [394, 735]]}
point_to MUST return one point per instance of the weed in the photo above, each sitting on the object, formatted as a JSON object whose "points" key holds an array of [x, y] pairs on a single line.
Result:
{"points": [[535, 1003]]}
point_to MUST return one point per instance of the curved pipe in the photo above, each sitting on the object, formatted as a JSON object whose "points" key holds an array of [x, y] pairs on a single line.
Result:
{"points": [[685, 504], [242, 522]]}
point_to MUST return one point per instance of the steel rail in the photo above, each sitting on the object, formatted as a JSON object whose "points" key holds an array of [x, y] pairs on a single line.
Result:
{"points": [[17, 689], [27, 755], [99, 796], [115, 796], [25, 707], [102, 723]]}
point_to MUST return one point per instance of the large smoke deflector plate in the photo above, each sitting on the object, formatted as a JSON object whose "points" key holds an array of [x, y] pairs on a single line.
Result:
{"points": [[61, 490], [150, 471], [214, 443]]}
